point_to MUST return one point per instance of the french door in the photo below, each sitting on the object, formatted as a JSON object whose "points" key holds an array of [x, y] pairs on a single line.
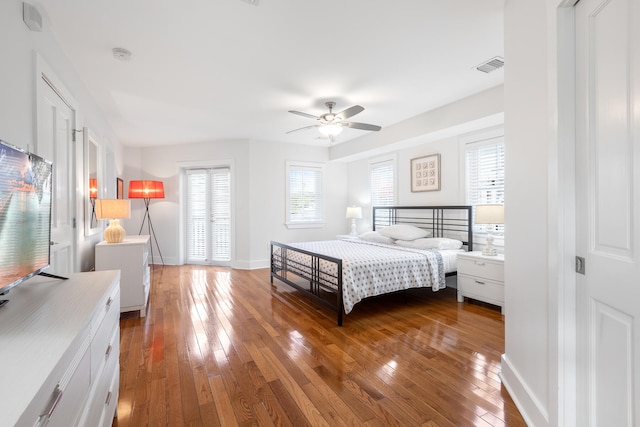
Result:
{"points": [[208, 216]]}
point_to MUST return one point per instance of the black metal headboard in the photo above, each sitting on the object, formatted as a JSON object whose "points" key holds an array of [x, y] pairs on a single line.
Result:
{"points": [[443, 221]]}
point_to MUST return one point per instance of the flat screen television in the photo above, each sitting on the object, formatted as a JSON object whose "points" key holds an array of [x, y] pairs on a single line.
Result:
{"points": [[25, 215]]}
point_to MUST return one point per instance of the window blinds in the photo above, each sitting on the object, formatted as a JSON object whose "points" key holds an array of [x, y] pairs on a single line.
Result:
{"points": [[305, 194], [484, 170], [382, 184]]}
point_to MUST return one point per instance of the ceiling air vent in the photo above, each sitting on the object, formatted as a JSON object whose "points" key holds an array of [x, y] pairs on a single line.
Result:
{"points": [[491, 65], [253, 2]]}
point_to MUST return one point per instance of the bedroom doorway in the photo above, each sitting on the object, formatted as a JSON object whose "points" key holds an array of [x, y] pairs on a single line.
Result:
{"points": [[208, 216]]}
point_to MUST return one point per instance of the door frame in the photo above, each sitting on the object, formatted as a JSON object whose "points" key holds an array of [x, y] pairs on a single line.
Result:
{"points": [[44, 72], [562, 215]]}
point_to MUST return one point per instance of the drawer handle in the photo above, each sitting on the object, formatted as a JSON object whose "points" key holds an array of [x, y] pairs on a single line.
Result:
{"points": [[108, 400], [479, 263], [53, 402], [109, 302], [108, 352], [479, 282]]}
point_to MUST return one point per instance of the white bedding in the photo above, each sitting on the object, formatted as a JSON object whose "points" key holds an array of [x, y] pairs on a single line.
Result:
{"points": [[370, 269]]}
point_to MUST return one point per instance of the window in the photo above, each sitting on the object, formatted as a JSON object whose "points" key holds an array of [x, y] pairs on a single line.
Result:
{"points": [[382, 183], [484, 175], [304, 195], [383, 187]]}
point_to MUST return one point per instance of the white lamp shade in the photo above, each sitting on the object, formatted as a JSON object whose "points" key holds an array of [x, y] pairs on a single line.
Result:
{"points": [[489, 214], [354, 212], [113, 208]]}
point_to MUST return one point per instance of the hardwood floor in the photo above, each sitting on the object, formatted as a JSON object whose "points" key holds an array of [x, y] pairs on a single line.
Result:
{"points": [[223, 347]]}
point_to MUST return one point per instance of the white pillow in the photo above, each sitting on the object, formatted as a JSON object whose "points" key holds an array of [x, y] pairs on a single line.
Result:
{"points": [[404, 232], [435, 243], [374, 236]]}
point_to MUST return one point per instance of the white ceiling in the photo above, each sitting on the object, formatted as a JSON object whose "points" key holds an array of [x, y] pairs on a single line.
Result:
{"points": [[207, 70]]}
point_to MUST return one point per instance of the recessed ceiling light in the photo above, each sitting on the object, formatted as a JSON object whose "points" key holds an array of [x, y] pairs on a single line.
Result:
{"points": [[121, 54]]}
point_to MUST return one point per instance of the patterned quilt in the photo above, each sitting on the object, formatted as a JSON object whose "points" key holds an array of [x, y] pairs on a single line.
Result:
{"points": [[370, 269]]}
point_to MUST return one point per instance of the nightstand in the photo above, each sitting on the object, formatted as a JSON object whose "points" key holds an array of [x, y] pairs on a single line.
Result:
{"points": [[481, 277], [131, 257]]}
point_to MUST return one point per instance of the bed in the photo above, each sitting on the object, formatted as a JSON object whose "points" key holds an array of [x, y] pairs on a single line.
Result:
{"points": [[340, 273]]}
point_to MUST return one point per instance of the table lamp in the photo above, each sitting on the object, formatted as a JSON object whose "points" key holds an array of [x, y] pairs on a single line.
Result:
{"points": [[492, 214], [113, 210], [353, 213]]}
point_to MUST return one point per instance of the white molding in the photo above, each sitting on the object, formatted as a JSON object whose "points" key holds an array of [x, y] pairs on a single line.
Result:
{"points": [[530, 407]]}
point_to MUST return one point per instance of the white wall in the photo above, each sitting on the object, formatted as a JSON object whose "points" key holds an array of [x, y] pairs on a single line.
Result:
{"points": [[18, 48], [450, 186], [258, 180], [532, 362]]}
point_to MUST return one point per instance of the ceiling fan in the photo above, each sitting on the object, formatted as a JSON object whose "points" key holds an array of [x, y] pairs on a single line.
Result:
{"points": [[331, 124]]}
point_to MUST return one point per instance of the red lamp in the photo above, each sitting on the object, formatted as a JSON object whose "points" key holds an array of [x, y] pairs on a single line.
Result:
{"points": [[93, 195], [93, 188], [147, 190]]}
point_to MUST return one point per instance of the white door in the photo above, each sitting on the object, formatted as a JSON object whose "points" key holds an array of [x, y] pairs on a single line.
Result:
{"points": [[56, 122], [608, 206], [209, 216]]}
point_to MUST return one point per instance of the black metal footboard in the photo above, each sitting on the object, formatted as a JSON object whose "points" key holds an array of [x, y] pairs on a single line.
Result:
{"points": [[318, 276]]}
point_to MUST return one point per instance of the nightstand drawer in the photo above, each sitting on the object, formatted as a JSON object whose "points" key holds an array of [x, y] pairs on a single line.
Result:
{"points": [[481, 268], [485, 290]]}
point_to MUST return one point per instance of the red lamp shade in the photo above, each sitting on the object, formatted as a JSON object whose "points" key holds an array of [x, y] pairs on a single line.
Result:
{"points": [[93, 188], [146, 190]]}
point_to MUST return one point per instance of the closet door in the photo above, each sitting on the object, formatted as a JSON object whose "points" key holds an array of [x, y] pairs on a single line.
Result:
{"points": [[608, 211], [209, 216]]}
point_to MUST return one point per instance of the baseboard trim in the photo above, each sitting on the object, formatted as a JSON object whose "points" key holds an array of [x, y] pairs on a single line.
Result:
{"points": [[531, 409], [251, 265]]}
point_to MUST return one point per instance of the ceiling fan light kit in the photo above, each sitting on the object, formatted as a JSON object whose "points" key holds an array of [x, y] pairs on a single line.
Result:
{"points": [[330, 130], [331, 124]]}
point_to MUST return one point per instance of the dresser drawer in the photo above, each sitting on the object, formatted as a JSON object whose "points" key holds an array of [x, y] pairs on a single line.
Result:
{"points": [[102, 345], [481, 268], [481, 289]]}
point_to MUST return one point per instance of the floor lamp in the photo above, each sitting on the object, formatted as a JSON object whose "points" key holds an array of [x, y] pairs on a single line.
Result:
{"points": [[93, 195], [147, 190]]}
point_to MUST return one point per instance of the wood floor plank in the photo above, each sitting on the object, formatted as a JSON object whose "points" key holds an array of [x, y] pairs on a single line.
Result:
{"points": [[226, 347]]}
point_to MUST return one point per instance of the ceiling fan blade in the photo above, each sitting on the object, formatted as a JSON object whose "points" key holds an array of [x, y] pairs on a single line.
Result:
{"points": [[363, 126], [304, 128], [349, 112], [300, 113]]}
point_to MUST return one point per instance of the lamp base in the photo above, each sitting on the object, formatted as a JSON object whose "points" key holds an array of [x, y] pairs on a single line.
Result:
{"points": [[114, 233], [489, 250], [354, 232]]}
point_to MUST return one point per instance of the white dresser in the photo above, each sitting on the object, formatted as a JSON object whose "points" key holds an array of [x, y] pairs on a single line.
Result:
{"points": [[131, 257], [481, 277], [60, 350]]}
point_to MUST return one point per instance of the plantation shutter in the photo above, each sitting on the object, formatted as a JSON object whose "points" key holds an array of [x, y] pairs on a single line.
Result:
{"points": [[221, 214], [484, 169], [196, 216], [208, 215]]}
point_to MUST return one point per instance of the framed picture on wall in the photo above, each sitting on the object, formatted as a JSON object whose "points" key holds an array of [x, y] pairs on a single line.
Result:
{"points": [[425, 173], [119, 188]]}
